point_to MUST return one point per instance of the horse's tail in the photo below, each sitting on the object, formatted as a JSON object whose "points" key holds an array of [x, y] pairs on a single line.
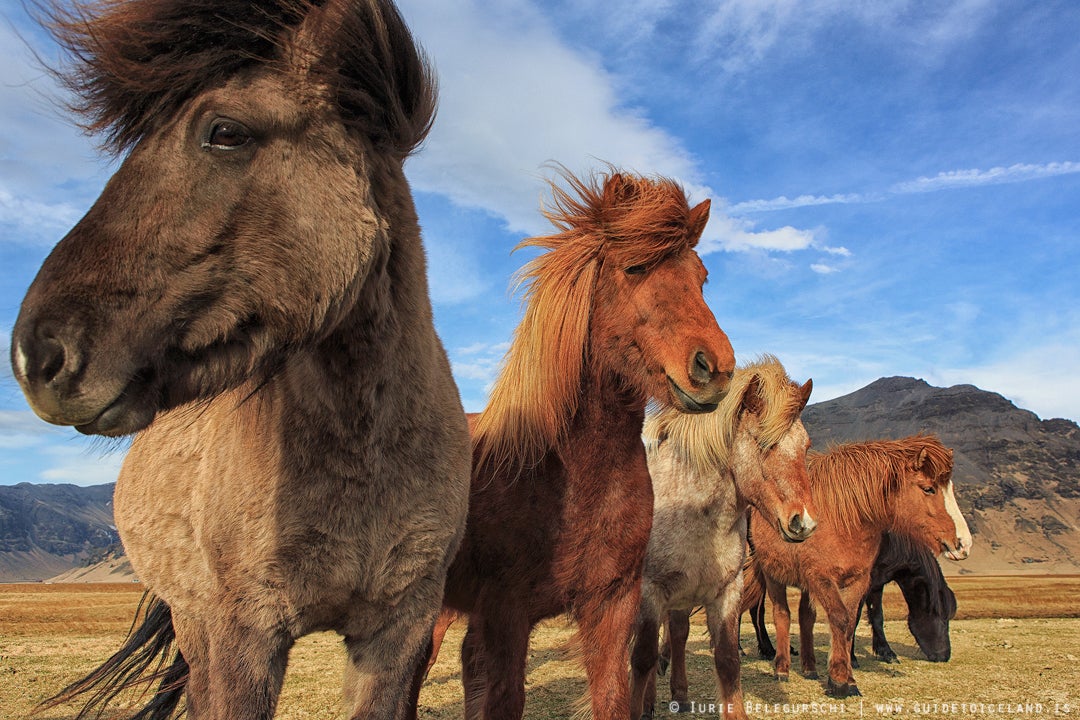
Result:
{"points": [[141, 661]]}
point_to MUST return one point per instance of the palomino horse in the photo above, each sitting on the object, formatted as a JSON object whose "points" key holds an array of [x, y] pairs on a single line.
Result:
{"points": [[249, 296], [705, 470], [561, 501], [931, 603], [862, 491]]}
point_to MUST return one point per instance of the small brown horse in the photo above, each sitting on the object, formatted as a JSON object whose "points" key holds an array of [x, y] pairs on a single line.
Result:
{"points": [[249, 295], [706, 470], [930, 601], [561, 501], [862, 491]]}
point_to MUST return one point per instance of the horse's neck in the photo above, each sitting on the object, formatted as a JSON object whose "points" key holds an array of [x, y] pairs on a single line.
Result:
{"points": [[377, 362], [605, 429], [678, 480]]}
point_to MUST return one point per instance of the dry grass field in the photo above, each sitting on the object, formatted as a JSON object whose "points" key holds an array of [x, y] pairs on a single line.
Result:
{"points": [[1016, 640]]}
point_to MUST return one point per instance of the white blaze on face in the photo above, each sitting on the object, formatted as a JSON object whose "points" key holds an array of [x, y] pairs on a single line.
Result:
{"points": [[963, 534], [21, 361]]}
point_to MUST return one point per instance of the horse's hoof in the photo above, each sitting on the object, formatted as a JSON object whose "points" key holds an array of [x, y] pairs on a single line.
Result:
{"points": [[888, 657], [812, 675], [782, 677], [854, 662], [766, 655], [853, 691]]}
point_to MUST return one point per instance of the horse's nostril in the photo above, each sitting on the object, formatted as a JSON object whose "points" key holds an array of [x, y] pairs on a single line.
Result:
{"points": [[51, 359], [701, 370], [795, 525]]}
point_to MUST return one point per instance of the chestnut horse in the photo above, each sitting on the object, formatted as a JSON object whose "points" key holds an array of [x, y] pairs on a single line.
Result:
{"points": [[561, 501], [930, 601], [862, 491], [249, 296], [706, 469]]}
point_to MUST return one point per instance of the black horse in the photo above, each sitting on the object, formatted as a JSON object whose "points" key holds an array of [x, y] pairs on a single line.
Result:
{"points": [[931, 603]]}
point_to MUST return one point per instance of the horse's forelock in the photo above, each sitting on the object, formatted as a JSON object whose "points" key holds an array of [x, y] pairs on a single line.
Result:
{"points": [[132, 63]]}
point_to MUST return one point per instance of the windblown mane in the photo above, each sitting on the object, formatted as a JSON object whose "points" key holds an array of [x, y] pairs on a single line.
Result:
{"points": [[614, 217], [852, 482], [134, 63], [704, 441]]}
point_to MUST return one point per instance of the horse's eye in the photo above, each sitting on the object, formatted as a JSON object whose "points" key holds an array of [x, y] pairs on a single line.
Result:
{"points": [[227, 135], [636, 269], [930, 490]]}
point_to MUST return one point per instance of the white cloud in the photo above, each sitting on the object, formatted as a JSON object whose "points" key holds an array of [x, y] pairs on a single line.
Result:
{"points": [[1042, 379], [823, 269], [513, 97], [80, 466], [1020, 172], [785, 203]]}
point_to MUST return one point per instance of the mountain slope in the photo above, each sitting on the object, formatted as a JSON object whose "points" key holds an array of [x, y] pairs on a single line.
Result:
{"points": [[47, 529]]}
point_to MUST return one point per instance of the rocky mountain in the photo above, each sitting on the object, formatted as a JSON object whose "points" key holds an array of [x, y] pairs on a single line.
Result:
{"points": [[1017, 477], [48, 529]]}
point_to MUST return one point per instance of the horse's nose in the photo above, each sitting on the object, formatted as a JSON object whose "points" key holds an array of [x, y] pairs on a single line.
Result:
{"points": [[801, 526], [45, 360], [704, 371]]}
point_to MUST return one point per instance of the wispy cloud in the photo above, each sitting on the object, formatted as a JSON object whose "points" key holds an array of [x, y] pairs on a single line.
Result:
{"points": [[946, 180], [1021, 172]]}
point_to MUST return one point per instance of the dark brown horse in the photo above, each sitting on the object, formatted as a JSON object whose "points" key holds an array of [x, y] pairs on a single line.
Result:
{"points": [[561, 502], [862, 491], [931, 603], [249, 296]]}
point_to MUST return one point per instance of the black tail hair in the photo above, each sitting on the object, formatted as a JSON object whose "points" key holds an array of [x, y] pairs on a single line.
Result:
{"points": [[141, 661]]}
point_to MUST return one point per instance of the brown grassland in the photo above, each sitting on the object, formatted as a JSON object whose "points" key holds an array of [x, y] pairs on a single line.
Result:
{"points": [[1015, 640]]}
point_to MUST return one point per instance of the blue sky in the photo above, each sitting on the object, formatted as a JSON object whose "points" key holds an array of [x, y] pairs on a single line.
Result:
{"points": [[895, 185]]}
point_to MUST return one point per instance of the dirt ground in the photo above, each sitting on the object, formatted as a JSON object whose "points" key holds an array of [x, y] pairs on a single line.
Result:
{"points": [[1013, 654]]}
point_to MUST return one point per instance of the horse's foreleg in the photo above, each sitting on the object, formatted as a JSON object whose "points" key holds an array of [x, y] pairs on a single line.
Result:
{"points": [[605, 626], [723, 621], [643, 661], [876, 615], [386, 662], [807, 618], [235, 671], [678, 635], [757, 617], [499, 652], [839, 607], [782, 619], [473, 677]]}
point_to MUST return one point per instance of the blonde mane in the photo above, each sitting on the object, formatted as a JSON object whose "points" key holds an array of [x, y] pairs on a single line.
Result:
{"points": [[614, 217], [704, 441], [851, 483]]}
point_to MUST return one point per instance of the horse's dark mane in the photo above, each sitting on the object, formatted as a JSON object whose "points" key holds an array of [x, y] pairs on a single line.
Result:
{"points": [[133, 63], [905, 562]]}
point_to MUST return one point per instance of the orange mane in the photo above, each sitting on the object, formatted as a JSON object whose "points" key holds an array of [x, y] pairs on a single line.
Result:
{"points": [[614, 217], [851, 482]]}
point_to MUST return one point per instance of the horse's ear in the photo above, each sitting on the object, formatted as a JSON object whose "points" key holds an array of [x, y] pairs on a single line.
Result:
{"points": [[751, 399], [618, 189], [921, 462], [699, 216], [804, 393]]}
